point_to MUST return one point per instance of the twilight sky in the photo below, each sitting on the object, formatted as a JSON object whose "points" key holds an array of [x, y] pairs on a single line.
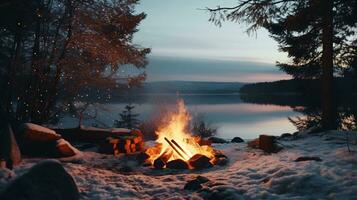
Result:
{"points": [[185, 46]]}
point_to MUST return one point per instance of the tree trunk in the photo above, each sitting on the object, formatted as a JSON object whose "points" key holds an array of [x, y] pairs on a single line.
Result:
{"points": [[329, 115]]}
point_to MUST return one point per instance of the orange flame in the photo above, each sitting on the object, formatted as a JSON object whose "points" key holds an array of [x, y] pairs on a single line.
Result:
{"points": [[174, 136]]}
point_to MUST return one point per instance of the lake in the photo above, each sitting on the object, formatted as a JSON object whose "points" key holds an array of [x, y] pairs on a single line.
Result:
{"points": [[227, 112]]}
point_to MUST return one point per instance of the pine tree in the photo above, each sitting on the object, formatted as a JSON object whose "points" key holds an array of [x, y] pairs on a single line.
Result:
{"points": [[127, 118]]}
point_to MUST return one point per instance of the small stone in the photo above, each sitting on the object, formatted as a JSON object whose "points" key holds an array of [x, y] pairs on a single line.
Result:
{"points": [[308, 158], [193, 185], [237, 140]]}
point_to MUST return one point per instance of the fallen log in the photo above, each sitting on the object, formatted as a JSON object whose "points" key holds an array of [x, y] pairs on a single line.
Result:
{"points": [[97, 135]]}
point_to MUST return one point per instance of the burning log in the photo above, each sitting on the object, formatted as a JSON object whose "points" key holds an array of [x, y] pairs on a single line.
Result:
{"points": [[177, 164], [199, 161], [161, 161], [175, 143], [174, 148]]}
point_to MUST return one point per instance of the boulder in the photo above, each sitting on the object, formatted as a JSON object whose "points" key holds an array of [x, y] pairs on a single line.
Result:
{"points": [[237, 140], [65, 149], [200, 161], [52, 149], [9, 151], [46, 180], [217, 140], [177, 164], [308, 158], [34, 132], [266, 143]]}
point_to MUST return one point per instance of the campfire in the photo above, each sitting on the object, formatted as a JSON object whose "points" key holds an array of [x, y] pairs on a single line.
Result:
{"points": [[178, 148]]}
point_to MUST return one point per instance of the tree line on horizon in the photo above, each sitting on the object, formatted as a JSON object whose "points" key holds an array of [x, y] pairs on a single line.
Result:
{"points": [[319, 36]]}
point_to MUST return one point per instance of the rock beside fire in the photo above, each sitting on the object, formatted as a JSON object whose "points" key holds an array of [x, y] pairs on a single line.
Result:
{"points": [[177, 164], [196, 184], [199, 161], [220, 159], [193, 185], [266, 143]]}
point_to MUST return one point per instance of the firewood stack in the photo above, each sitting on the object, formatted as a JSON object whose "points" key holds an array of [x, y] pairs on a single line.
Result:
{"points": [[123, 143]]}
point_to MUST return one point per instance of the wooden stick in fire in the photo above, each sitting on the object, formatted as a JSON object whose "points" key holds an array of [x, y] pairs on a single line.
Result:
{"points": [[175, 143], [174, 148]]}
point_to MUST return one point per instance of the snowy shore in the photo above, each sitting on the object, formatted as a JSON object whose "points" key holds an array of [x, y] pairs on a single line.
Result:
{"points": [[250, 174]]}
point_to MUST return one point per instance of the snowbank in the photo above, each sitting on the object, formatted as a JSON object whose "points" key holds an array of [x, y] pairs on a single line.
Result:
{"points": [[251, 174]]}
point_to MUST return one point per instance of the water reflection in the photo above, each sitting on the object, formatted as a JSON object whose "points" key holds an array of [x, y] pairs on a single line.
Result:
{"points": [[232, 116]]}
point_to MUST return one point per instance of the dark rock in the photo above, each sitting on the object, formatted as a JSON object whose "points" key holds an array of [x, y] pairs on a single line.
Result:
{"points": [[46, 180], [9, 150], [267, 144], [199, 161], [177, 164], [308, 158], [193, 185], [217, 140], [202, 179], [237, 140]]}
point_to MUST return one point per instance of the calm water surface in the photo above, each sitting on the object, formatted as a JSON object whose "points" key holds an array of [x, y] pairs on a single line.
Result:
{"points": [[227, 113]]}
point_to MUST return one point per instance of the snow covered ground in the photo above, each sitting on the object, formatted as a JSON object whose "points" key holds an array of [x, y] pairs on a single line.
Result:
{"points": [[251, 174]]}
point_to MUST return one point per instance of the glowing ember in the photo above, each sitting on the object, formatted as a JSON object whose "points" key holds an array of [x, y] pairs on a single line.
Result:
{"points": [[176, 141]]}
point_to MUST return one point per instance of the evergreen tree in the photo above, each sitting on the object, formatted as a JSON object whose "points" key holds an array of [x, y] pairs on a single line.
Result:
{"points": [[317, 35], [127, 118]]}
